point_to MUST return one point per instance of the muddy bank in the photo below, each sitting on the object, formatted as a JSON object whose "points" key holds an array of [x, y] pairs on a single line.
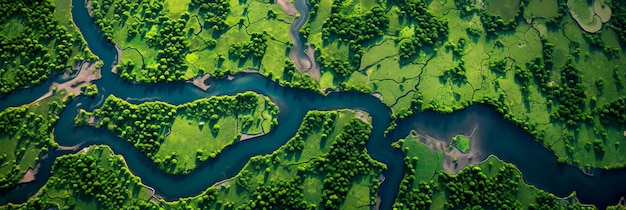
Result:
{"points": [[30, 175], [87, 73]]}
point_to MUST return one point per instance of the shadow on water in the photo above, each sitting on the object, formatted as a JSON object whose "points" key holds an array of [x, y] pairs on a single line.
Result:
{"points": [[511, 144]]}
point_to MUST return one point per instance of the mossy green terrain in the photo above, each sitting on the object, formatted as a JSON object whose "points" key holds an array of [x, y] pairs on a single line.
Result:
{"points": [[38, 39], [177, 138], [493, 183]]}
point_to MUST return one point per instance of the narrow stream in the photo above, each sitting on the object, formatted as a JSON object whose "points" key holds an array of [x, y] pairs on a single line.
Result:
{"points": [[499, 137]]}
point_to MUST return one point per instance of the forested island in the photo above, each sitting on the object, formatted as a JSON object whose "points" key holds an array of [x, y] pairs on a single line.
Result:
{"points": [[306, 104]]}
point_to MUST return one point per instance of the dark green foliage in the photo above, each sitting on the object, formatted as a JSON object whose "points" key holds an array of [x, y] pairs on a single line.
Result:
{"points": [[498, 66], [340, 67], [471, 188], [429, 29], [494, 23], [571, 96], [145, 125], [170, 41], [346, 159], [355, 30], [614, 112], [562, 12], [294, 79], [312, 122], [618, 19], [541, 67], [255, 47], [524, 77], [314, 4], [457, 73], [89, 90], [88, 178], [410, 197], [215, 13], [141, 125], [458, 47], [279, 194], [473, 32], [41, 48], [29, 129]]}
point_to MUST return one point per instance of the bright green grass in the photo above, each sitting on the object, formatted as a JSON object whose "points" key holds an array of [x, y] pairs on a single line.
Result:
{"points": [[187, 137], [177, 7], [359, 194], [428, 162], [462, 143]]}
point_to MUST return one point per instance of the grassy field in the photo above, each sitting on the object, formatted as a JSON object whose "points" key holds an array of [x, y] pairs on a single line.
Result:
{"points": [[462, 143]]}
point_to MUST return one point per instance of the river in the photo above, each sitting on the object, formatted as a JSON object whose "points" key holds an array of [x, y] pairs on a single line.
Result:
{"points": [[501, 138]]}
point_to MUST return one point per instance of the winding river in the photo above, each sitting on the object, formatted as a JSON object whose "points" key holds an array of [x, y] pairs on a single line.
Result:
{"points": [[499, 137]]}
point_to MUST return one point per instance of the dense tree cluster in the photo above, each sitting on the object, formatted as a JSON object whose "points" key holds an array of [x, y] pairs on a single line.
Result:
{"points": [[214, 13], [342, 68], [541, 67], [456, 74], [429, 29], [294, 79], [142, 125], [255, 47], [355, 30], [494, 23], [169, 40], [346, 159], [314, 4], [84, 174], [471, 188], [613, 112], [524, 76], [410, 197], [280, 194], [28, 129], [312, 122], [40, 46], [498, 66], [618, 19], [458, 47], [571, 96], [89, 90]]}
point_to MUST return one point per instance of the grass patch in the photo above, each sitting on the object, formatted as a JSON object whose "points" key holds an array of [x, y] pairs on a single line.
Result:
{"points": [[462, 143]]}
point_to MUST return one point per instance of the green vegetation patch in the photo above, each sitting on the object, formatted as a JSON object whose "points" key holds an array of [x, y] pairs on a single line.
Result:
{"points": [[462, 142], [90, 180], [493, 183], [230, 36], [324, 164], [177, 138], [37, 42], [25, 136]]}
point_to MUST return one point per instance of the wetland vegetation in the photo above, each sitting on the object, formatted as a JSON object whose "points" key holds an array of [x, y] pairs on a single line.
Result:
{"points": [[554, 68]]}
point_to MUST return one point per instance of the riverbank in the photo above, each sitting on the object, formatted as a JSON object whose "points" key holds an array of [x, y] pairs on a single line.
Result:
{"points": [[87, 72]]}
